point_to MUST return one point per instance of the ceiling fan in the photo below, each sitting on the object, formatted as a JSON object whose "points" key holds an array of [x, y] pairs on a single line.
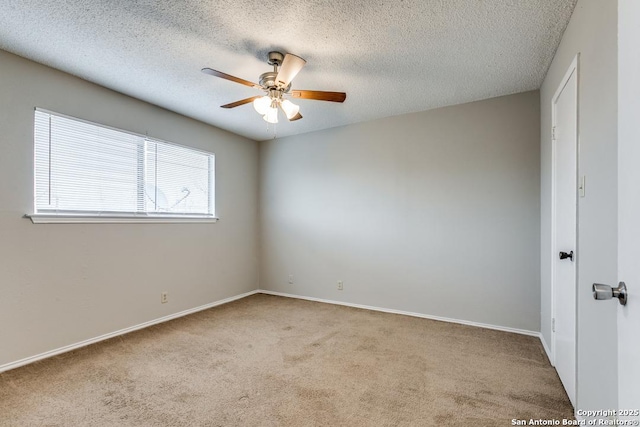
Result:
{"points": [[277, 85]]}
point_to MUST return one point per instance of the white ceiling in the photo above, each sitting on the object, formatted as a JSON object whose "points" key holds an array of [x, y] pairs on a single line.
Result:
{"points": [[391, 57]]}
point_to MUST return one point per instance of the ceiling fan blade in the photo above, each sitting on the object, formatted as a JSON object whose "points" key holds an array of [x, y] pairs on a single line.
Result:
{"points": [[296, 117], [241, 102], [290, 67], [225, 76], [319, 95]]}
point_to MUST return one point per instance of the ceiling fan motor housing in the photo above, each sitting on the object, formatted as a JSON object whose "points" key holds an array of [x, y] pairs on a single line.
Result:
{"points": [[268, 81]]}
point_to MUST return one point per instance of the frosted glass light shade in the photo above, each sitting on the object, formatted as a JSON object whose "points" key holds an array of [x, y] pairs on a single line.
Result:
{"points": [[271, 115], [290, 109], [262, 104], [291, 66]]}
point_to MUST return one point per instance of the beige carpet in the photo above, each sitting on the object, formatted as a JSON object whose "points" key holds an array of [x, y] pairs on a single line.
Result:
{"points": [[270, 361]]}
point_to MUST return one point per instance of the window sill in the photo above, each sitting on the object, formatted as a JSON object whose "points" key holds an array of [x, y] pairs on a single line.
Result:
{"points": [[114, 219]]}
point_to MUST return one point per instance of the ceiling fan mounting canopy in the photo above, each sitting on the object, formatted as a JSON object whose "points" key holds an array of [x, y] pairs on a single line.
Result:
{"points": [[276, 84], [275, 58]]}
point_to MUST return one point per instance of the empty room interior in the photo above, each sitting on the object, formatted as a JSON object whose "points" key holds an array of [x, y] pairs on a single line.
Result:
{"points": [[416, 213]]}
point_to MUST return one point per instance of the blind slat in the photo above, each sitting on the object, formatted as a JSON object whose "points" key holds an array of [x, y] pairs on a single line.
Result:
{"points": [[83, 167]]}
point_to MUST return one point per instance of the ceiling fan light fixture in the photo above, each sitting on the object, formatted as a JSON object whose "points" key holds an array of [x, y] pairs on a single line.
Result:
{"points": [[262, 104], [271, 115], [290, 109]]}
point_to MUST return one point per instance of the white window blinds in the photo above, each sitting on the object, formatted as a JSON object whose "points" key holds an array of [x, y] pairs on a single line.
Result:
{"points": [[87, 169]]}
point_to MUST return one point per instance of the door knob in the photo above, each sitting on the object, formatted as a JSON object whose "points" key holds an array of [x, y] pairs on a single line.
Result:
{"points": [[564, 255], [607, 292]]}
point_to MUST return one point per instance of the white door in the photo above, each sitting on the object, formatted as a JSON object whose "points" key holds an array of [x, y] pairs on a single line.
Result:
{"points": [[629, 205], [565, 142]]}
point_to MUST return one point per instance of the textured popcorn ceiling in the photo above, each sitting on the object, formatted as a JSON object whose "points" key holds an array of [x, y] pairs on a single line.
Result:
{"points": [[391, 57]]}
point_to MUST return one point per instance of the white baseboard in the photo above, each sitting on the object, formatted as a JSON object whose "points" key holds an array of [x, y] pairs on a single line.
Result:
{"points": [[55, 352], [407, 313], [51, 353]]}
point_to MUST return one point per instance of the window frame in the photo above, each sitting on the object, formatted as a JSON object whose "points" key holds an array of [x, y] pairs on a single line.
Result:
{"points": [[93, 217]]}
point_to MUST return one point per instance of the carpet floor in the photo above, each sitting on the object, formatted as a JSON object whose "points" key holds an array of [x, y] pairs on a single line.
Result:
{"points": [[274, 361]]}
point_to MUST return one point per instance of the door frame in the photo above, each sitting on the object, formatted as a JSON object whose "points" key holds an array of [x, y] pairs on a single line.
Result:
{"points": [[573, 68]]}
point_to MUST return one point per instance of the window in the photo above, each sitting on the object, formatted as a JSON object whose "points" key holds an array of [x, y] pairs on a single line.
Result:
{"points": [[87, 170]]}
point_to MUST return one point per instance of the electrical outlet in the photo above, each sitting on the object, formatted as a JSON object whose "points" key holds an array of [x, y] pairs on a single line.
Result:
{"points": [[291, 279], [340, 285], [164, 297]]}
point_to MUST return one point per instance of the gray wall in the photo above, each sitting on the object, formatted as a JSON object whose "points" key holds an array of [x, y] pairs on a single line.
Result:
{"points": [[435, 212], [64, 283], [592, 32]]}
